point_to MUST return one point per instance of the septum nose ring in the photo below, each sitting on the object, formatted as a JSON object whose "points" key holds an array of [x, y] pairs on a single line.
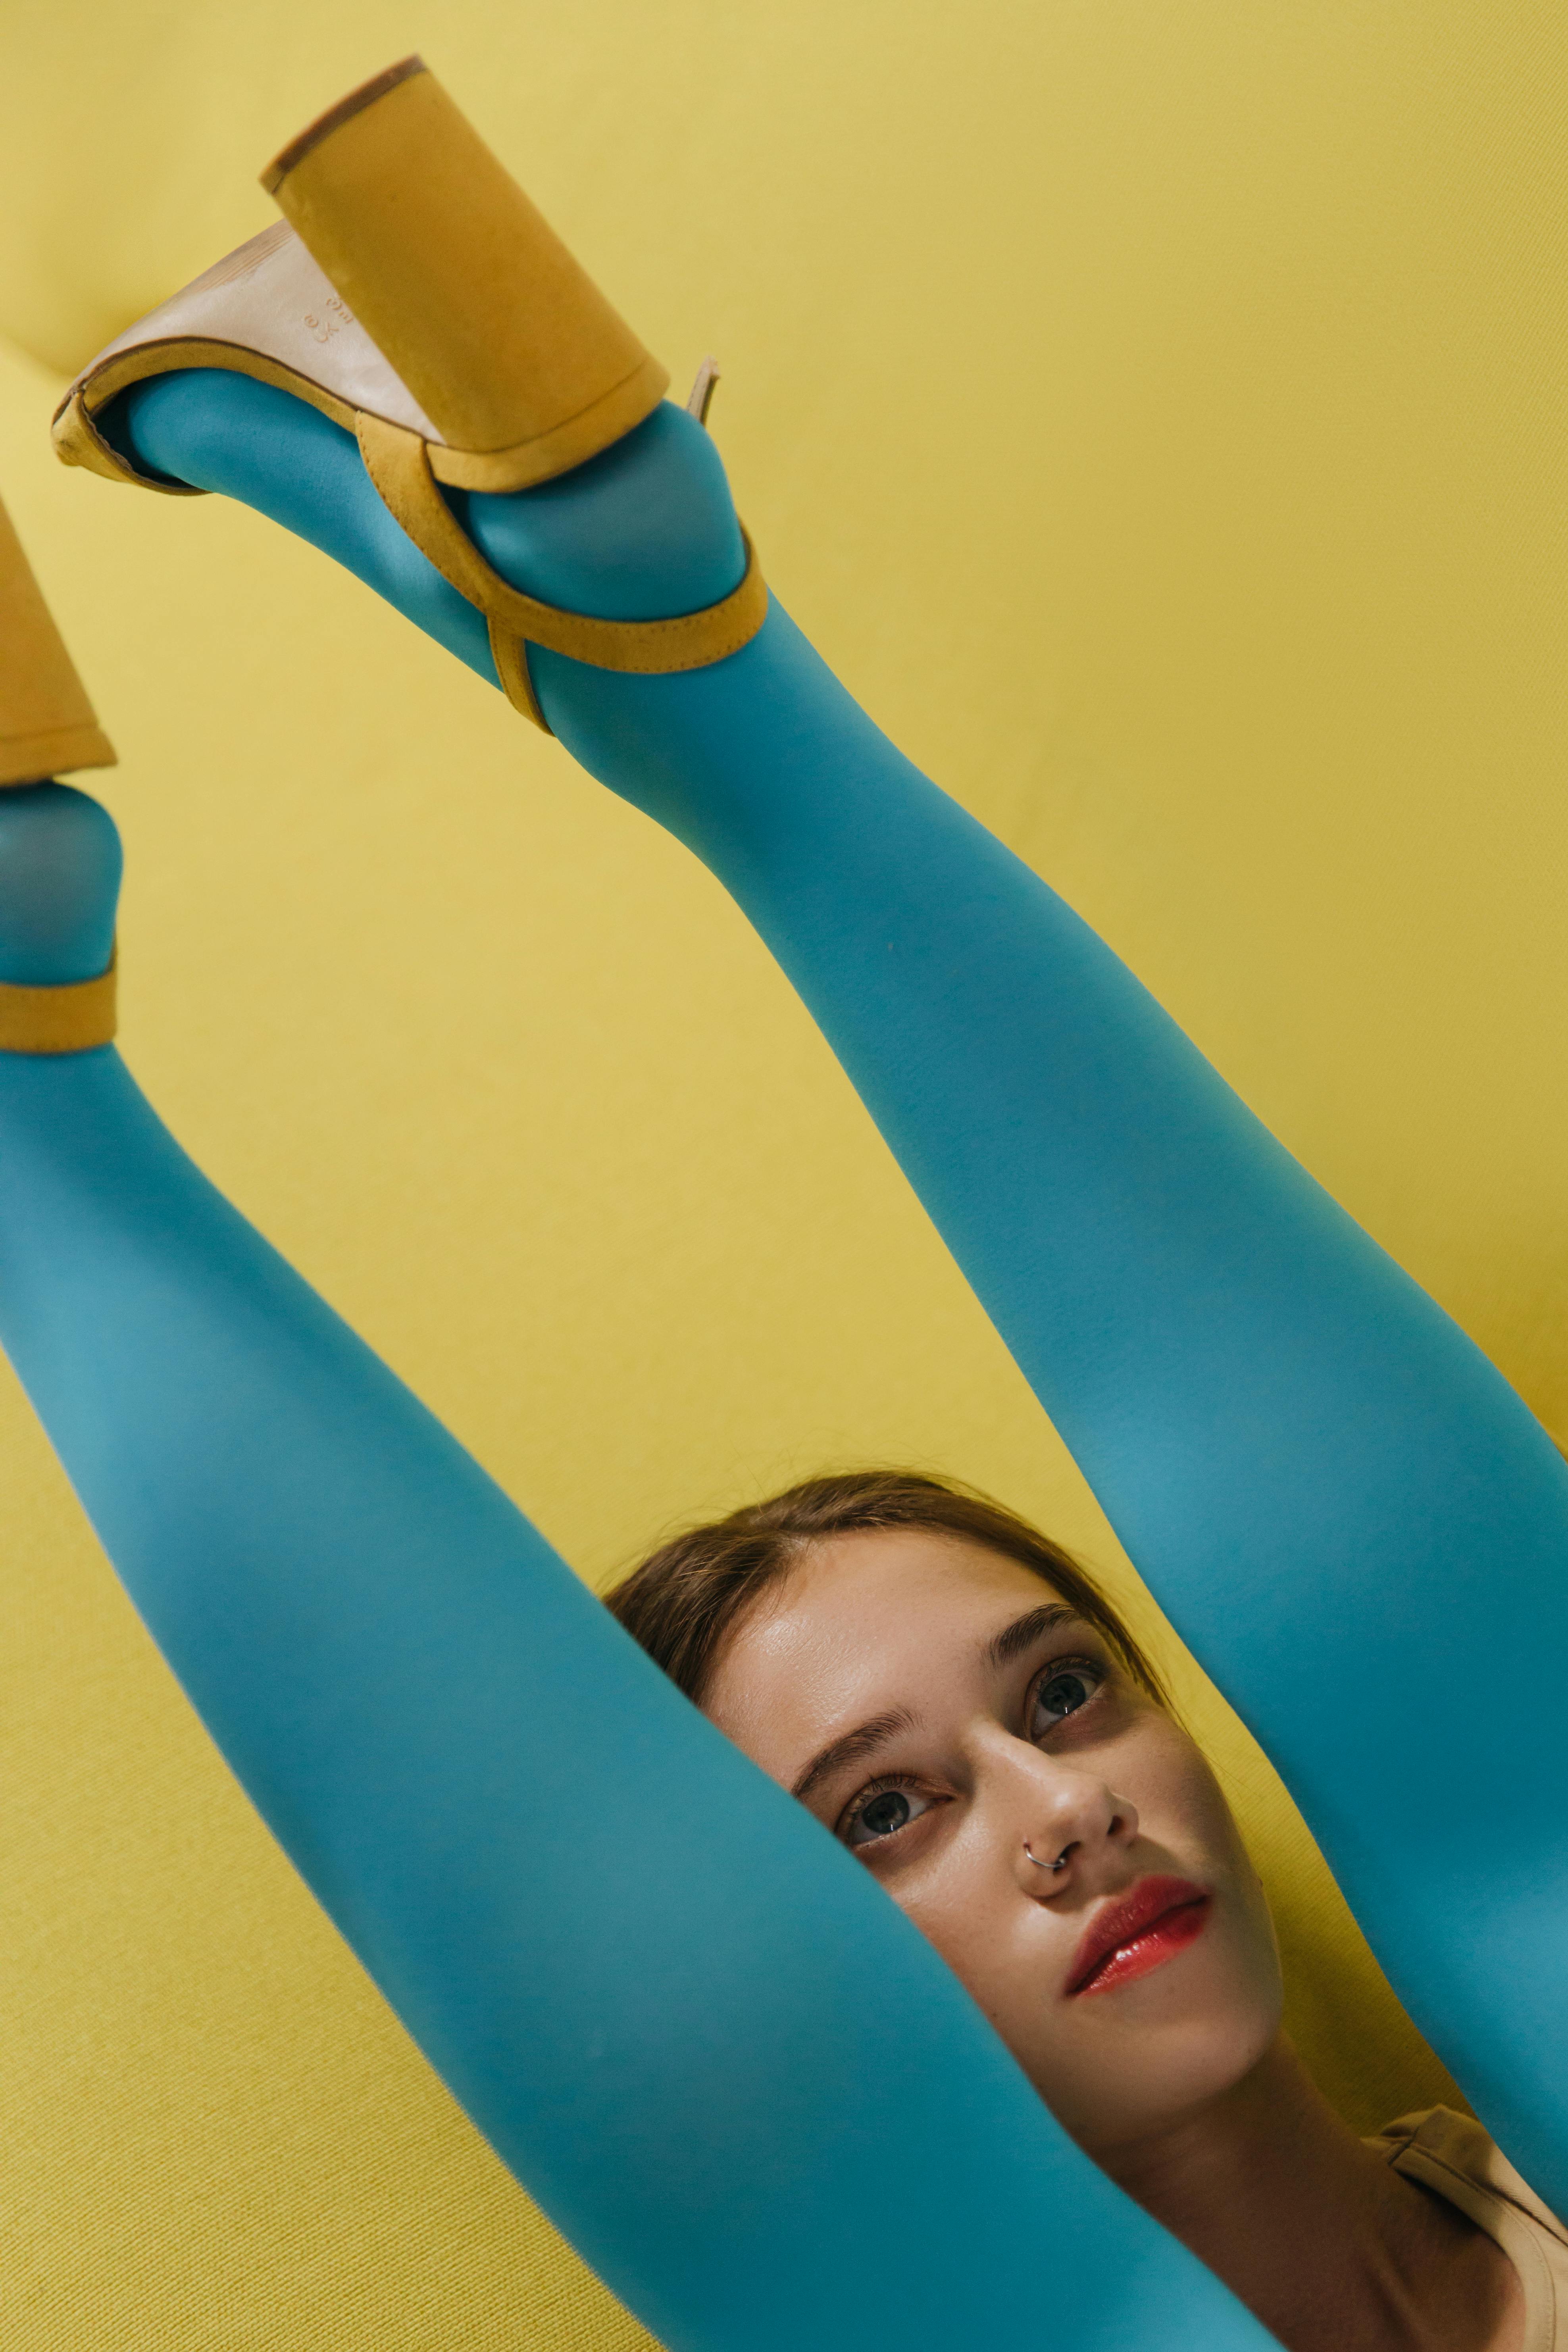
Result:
{"points": [[1060, 1862]]}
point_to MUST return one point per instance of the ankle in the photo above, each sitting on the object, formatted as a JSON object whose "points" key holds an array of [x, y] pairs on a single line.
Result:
{"points": [[644, 530], [59, 883]]}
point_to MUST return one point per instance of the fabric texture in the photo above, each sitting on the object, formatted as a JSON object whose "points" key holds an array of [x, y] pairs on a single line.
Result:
{"points": [[1451, 2154]]}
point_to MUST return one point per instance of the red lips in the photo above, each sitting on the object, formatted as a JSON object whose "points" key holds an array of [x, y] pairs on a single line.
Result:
{"points": [[1140, 1931]]}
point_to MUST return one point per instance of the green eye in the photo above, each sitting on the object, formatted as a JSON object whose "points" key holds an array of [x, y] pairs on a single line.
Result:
{"points": [[1061, 1692]]}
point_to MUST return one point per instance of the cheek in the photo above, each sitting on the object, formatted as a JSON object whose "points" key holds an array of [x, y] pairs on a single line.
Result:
{"points": [[1180, 1802], [1201, 1829], [1008, 1953], [1216, 1824]]}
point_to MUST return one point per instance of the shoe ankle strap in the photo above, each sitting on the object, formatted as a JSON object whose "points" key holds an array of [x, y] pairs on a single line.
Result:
{"points": [[67, 1019], [397, 462]]}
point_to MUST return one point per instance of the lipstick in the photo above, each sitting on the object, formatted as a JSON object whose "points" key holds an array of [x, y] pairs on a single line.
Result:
{"points": [[1141, 1930]]}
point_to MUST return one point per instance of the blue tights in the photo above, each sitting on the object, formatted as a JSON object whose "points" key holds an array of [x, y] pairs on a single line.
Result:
{"points": [[729, 2069]]}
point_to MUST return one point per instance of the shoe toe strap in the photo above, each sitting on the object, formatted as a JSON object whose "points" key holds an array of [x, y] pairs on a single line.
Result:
{"points": [[397, 462]]}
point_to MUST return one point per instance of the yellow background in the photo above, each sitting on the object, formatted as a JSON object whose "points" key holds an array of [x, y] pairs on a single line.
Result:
{"points": [[1153, 412]]}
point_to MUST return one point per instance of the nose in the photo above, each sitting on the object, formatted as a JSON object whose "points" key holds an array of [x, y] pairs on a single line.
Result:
{"points": [[1059, 1820]]}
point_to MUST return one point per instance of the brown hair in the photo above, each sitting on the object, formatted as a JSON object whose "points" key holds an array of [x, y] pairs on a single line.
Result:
{"points": [[685, 1597]]}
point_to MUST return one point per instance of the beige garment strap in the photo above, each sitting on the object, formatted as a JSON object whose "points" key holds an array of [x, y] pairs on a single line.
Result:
{"points": [[396, 461], [65, 1019]]}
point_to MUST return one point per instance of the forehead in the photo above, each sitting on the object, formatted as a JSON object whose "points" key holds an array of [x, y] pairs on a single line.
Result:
{"points": [[888, 1618]]}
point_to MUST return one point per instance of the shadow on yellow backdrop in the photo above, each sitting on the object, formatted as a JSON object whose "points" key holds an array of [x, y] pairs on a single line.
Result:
{"points": [[1152, 411]]}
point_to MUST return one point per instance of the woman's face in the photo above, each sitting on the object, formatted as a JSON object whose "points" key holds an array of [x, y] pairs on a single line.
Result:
{"points": [[949, 1719]]}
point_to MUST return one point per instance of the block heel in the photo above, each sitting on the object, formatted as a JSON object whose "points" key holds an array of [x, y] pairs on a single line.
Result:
{"points": [[46, 728], [415, 295]]}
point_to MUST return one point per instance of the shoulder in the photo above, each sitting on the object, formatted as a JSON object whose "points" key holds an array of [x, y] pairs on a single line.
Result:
{"points": [[1451, 2151], [1455, 2158]]}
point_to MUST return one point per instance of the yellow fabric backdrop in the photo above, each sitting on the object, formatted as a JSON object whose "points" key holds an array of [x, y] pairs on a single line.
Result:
{"points": [[1150, 409]]}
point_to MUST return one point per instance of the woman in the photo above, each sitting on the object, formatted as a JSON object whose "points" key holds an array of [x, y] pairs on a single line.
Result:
{"points": [[756, 2101], [1006, 1762]]}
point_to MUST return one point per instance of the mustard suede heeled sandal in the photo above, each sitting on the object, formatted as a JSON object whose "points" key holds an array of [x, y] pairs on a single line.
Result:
{"points": [[47, 727], [414, 295]]}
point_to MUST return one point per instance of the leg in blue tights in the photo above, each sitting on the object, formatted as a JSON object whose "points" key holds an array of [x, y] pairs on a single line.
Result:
{"points": [[1356, 1524], [723, 2062], [1343, 1506]]}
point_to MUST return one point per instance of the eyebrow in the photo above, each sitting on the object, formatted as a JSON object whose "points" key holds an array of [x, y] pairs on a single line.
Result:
{"points": [[1024, 1631], [853, 1748]]}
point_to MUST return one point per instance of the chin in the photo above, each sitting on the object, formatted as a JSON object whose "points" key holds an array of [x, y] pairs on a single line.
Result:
{"points": [[1185, 2070], [1124, 2064]]}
